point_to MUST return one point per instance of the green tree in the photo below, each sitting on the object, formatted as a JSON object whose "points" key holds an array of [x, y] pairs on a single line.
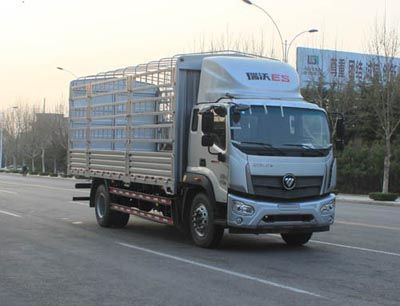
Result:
{"points": [[384, 90]]}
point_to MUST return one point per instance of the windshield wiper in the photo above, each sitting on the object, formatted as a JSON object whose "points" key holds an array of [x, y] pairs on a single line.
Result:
{"points": [[264, 145], [322, 151]]}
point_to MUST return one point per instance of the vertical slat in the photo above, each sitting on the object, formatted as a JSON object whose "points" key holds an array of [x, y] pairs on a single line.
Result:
{"points": [[88, 124]]}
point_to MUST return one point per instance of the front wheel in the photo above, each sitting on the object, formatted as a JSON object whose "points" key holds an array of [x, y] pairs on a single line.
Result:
{"points": [[204, 232], [296, 239]]}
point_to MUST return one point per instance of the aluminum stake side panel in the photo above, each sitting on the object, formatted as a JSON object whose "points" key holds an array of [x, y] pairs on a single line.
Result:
{"points": [[122, 125]]}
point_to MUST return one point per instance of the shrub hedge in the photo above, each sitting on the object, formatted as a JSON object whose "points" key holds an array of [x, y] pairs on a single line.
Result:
{"points": [[380, 196], [360, 168]]}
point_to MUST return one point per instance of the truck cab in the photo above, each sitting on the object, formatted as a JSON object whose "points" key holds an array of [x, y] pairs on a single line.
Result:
{"points": [[266, 153]]}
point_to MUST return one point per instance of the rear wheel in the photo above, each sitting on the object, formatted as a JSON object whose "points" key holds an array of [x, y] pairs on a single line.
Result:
{"points": [[104, 215], [202, 228], [296, 239]]}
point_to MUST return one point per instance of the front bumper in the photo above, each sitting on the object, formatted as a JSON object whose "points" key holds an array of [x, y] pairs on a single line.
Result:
{"points": [[282, 217]]}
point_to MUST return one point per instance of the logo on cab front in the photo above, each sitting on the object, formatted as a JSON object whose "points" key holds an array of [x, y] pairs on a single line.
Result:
{"points": [[263, 76], [289, 181]]}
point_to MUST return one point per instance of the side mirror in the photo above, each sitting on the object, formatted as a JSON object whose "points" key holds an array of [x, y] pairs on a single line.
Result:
{"points": [[207, 122], [340, 128], [235, 116], [207, 140]]}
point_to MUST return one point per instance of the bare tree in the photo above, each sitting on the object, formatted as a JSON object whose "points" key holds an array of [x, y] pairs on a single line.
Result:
{"points": [[59, 136], [385, 89], [14, 126], [9, 137], [30, 138], [228, 41], [43, 127], [29, 133]]}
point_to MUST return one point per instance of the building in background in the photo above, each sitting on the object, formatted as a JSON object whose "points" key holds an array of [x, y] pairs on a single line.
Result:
{"points": [[329, 67]]}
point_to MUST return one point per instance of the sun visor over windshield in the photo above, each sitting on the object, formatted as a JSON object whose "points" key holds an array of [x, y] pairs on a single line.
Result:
{"points": [[244, 77]]}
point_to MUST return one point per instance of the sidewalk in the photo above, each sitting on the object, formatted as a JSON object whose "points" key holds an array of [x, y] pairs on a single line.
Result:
{"points": [[364, 199]]}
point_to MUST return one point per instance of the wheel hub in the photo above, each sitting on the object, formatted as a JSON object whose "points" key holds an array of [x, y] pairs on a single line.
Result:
{"points": [[200, 220]]}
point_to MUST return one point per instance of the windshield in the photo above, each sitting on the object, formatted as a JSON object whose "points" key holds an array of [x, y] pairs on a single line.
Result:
{"points": [[280, 129]]}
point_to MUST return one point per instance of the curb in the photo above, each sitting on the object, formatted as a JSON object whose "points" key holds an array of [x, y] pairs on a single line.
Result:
{"points": [[42, 176], [367, 202]]}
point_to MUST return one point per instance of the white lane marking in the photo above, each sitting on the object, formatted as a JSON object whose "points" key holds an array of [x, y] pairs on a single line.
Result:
{"points": [[43, 186], [77, 222], [9, 214], [8, 191], [214, 268], [346, 246], [79, 203], [368, 225], [356, 248]]}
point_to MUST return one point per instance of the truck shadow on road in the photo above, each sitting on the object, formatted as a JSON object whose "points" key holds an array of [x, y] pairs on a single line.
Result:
{"points": [[258, 243], [143, 231]]}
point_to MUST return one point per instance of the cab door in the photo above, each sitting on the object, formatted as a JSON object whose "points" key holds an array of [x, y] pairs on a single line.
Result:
{"points": [[205, 160], [216, 156]]}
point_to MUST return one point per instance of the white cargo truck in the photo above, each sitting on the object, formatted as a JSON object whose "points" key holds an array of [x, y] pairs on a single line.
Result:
{"points": [[205, 142]]}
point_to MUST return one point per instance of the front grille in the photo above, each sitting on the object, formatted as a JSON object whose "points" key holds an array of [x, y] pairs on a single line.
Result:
{"points": [[271, 186]]}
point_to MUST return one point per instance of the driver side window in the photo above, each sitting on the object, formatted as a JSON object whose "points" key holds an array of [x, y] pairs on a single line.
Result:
{"points": [[219, 132]]}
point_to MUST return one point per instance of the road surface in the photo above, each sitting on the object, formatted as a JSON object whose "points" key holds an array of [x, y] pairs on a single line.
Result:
{"points": [[52, 252]]}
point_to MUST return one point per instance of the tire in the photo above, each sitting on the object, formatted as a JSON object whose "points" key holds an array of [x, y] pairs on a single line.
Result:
{"points": [[203, 231], [119, 219], [104, 215], [296, 239]]}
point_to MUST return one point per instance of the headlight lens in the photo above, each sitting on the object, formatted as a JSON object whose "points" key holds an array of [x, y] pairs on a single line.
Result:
{"points": [[328, 208], [242, 209]]}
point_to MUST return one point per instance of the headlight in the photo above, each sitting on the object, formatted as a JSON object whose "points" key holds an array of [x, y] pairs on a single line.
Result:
{"points": [[242, 209], [328, 208]]}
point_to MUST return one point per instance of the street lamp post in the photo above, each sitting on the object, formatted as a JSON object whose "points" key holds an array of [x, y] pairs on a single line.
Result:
{"points": [[284, 43], [66, 70], [287, 47]]}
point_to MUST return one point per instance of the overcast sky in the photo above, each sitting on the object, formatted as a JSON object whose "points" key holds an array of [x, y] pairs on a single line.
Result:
{"points": [[89, 36]]}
